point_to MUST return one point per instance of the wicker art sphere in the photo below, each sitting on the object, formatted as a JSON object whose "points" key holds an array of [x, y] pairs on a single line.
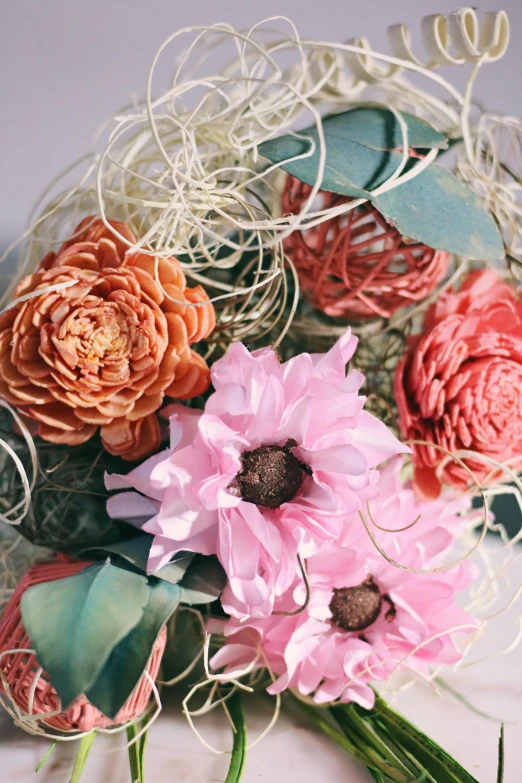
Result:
{"points": [[18, 671], [356, 265]]}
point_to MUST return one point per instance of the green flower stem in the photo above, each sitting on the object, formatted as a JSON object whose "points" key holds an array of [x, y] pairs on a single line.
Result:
{"points": [[237, 760], [136, 753], [439, 764], [81, 756]]}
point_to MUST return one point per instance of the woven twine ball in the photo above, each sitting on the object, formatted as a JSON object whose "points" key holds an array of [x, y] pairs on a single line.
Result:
{"points": [[19, 680], [357, 265]]}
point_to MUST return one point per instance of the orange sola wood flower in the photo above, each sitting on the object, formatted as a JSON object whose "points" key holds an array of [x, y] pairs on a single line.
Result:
{"points": [[30, 690], [357, 265], [105, 351]]}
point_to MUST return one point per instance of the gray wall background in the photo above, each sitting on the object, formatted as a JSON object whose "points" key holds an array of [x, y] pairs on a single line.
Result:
{"points": [[66, 65]]}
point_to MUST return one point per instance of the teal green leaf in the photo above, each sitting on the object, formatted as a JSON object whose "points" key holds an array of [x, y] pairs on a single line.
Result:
{"points": [[127, 661], [237, 760], [433, 207], [174, 571], [136, 552], [358, 149], [203, 581], [377, 127], [81, 756], [438, 210], [76, 622]]}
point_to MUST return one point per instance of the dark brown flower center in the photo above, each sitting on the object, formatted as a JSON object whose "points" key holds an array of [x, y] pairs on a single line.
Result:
{"points": [[356, 608], [270, 475]]}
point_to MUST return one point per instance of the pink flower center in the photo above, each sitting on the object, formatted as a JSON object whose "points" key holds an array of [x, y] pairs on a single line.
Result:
{"points": [[271, 475]]}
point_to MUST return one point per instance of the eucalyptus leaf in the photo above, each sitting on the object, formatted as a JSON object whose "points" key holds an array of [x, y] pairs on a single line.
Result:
{"points": [[432, 207], [203, 581], [75, 623], [377, 127], [438, 210], [127, 661], [136, 551]]}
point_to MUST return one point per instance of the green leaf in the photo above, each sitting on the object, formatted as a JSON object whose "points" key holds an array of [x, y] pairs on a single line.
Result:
{"points": [[76, 622], [376, 775], [203, 581], [500, 771], [81, 756], [358, 147], [433, 207], [316, 714], [237, 760], [377, 127], [174, 571], [136, 551], [437, 762], [438, 210], [389, 758], [127, 661]]}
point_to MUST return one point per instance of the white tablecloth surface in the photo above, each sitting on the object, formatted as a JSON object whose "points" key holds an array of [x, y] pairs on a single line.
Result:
{"points": [[295, 751]]}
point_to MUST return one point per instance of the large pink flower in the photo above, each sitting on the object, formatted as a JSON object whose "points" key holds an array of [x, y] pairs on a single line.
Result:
{"points": [[459, 386], [365, 616], [280, 456]]}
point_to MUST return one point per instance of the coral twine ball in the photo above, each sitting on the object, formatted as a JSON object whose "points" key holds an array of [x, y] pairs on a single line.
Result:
{"points": [[103, 352], [19, 680], [356, 265]]}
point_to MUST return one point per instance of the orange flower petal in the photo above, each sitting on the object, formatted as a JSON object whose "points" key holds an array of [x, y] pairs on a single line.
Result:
{"points": [[177, 331], [132, 440], [67, 438], [177, 294], [10, 373], [58, 416], [147, 404], [35, 395], [92, 416], [195, 381]]}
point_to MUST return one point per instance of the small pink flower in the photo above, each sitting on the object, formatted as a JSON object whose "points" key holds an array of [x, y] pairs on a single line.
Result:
{"points": [[365, 616], [281, 454]]}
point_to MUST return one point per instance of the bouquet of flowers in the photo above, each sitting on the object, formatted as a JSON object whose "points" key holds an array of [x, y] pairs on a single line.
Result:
{"points": [[260, 382]]}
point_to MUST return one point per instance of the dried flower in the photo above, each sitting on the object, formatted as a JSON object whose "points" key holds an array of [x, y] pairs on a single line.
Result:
{"points": [[459, 386], [105, 351]]}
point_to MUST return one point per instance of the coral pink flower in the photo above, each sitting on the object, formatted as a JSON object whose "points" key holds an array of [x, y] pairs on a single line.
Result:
{"points": [[459, 386], [278, 458], [365, 616]]}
